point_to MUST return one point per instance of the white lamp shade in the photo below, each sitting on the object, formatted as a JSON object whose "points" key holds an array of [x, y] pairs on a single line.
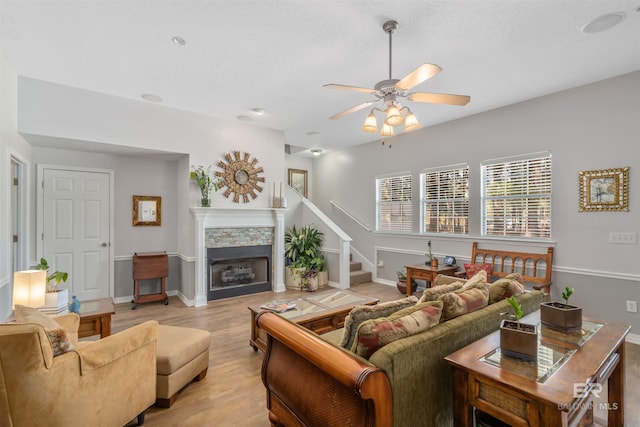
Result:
{"points": [[370, 123], [411, 122], [394, 117], [29, 287], [387, 130]]}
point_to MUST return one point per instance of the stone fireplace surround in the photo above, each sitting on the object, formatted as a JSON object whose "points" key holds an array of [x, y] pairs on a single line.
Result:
{"points": [[237, 218]]}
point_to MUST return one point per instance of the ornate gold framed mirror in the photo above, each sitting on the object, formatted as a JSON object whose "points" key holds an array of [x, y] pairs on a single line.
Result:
{"points": [[241, 176]]}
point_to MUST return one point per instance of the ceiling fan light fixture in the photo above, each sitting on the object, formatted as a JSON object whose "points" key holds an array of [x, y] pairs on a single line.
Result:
{"points": [[370, 123], [394, 117], [411, 122], [387, 130]]}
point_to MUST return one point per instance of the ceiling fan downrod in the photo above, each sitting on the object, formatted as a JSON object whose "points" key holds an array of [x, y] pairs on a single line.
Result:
{"points": [[389, 27]]}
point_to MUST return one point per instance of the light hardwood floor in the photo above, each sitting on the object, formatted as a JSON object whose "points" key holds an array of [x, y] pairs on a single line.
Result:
{"points": [[232, 394]]}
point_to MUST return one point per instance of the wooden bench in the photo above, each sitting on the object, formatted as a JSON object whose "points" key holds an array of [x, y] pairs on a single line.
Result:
{"points": [[534, 268]]}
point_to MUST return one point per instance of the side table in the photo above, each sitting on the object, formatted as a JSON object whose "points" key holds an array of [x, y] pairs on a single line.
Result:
{"points": [[95, 317], [564, 398], [426, 272]]}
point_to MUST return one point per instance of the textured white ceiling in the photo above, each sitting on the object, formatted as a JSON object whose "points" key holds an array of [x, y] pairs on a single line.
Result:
{"points": [[277, 54]]}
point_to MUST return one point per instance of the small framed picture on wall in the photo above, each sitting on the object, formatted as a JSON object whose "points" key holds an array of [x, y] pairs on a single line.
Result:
{"points": [[604, 190], [298, 180], [147, 210]]}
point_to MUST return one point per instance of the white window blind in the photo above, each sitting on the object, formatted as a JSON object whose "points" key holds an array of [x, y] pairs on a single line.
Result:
{"points": [[516, 197], [393, 204], [445, 200]]}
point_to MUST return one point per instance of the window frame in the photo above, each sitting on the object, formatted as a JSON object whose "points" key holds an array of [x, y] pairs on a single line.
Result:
{"points": [[527, 199], [406, 226], [456, 169]]}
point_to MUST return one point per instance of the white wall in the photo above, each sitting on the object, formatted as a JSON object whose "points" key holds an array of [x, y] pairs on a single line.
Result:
{"points": [[11, 144], [96, 117], [591, 127]]}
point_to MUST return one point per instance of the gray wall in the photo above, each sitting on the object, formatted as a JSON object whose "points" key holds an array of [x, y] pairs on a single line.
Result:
{"points": [[590, 127]]}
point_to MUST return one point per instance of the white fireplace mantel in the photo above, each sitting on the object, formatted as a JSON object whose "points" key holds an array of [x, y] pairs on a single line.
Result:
{"points": [[237, 218]]}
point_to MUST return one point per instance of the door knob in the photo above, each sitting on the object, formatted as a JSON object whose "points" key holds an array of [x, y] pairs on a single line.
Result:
{"points": [[104, 245]]}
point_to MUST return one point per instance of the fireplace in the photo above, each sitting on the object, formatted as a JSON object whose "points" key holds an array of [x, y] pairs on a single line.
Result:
{"points": [[238, 270], [226, 228]]}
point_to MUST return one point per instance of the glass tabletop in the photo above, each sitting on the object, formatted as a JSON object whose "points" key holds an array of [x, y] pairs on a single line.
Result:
{"points": [[302, 308], [335, 299], [550, 358]]}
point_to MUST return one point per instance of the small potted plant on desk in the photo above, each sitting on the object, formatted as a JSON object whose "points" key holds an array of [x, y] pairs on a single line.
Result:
{"points": [[55, 299], [561, 316], [518, 339], [431, 260]]}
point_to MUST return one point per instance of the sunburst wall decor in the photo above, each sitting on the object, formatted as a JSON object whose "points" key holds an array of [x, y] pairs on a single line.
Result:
{"points": [[241, 176]]}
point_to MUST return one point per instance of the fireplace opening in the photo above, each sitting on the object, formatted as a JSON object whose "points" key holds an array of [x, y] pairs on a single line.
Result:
{"points": [[238, 270]]}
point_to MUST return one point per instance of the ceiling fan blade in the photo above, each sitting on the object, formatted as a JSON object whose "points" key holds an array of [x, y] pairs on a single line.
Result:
{"points": [[353, 88], [439, 98], [353, 109], [417, 76]]}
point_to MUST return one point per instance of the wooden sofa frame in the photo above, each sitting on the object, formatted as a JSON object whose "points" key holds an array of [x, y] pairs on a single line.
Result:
{"points": [[353, 391], [526, 263]]}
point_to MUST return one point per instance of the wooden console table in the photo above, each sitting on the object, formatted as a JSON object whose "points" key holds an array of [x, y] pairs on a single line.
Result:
{"points": [[506, 393], [428, 273], [95, 317], [319, 312]]}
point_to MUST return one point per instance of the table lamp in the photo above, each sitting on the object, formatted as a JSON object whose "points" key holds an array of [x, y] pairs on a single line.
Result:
{"points": [[29, 287]]}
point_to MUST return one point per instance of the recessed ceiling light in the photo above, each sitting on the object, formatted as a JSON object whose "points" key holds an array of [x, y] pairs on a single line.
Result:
{"points": [[179, 41], [316, 151], [604, 22], [151, 97], [258, 111], [313, 133], [244, 118]]}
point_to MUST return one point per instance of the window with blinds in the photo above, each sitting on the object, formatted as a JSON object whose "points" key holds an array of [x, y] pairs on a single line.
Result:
{"points": [[393, 204], [445, 200], [516, 196]]}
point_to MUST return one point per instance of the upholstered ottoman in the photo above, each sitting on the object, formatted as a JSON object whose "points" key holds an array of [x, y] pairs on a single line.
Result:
{"points": [[182, 357]]}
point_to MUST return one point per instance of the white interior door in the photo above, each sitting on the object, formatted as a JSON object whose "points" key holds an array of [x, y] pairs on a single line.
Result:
{"points": [[76, 221]]}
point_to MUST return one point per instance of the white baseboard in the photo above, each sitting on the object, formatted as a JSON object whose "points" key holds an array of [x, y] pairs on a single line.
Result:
{"points": [[633, 339]]}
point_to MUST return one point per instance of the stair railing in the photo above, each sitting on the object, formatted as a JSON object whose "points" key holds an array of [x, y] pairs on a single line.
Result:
{"points": [[350, 215]]}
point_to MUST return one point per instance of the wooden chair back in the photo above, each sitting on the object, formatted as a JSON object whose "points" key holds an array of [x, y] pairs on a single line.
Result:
{"points": [[534, 268]]}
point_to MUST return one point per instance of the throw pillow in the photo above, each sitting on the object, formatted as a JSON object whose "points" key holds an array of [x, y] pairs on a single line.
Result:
{"points": [[376, 333], [473, 269], [360, 313], [58, 336], [432, 294], [479, 278], [504, 288], [464, 301]]}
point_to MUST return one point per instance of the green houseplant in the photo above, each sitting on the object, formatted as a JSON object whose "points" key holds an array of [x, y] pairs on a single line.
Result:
{"points": [[53, 279], [401, 284], [518, 339], [55, 299], [303, 257], [205, 182], [561, 316]]}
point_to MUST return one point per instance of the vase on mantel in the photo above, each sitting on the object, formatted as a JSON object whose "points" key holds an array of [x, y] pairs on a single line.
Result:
{"points": [[205, 202]]}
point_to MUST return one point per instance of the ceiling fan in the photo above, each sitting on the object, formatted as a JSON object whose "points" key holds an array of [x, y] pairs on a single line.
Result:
{"points": [[391, 89]]}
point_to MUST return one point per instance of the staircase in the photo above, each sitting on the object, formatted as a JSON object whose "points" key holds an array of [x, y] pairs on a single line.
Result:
{"points": [[356, 274]]}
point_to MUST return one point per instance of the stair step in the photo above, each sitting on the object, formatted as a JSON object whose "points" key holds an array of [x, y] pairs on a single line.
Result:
{"points": [[355, 266], [359, 276]]}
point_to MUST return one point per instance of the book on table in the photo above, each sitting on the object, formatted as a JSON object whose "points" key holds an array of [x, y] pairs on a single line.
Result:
{"points": [[279, 306]]}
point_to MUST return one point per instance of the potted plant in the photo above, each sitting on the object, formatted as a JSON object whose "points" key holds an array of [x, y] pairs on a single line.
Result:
{"points": [[401, 284], [301, 246], [206, 183], [518, 339], [54, 297], [561, 316], [319, 263]]}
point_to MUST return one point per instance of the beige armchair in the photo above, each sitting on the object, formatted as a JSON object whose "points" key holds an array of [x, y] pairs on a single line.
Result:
{"points": [[100, 383]]}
